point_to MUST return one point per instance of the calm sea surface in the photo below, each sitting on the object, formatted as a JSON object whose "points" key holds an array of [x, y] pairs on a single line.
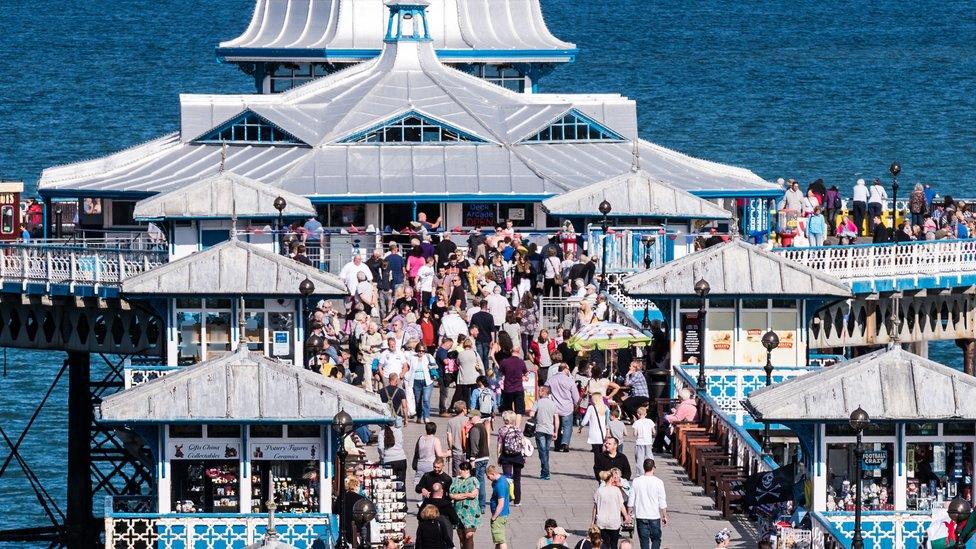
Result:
{"points": [[788, 89]]}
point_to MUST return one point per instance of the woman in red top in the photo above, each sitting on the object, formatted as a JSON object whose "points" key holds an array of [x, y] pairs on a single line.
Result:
{"points": [[428, 331]]}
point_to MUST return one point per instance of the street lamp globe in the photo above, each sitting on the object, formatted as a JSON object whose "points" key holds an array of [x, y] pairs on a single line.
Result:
{"points": [[363, 511], [702, 288], [314, 342], [894, 169], [959, 509], [280, 203], [770, 340], [605, 208], [342, 423], [860, 420], [306, 288]]}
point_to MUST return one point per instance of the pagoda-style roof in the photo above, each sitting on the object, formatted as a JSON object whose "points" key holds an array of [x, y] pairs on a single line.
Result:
{"points": [[322, 141], [233, 268], [242, 387], [464, 31], [634, 194], [222, 196], [889, 384], [735, 269]]}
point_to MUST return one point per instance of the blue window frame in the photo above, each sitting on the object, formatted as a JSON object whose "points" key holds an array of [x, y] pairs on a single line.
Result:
{"points": [[412, 127], [575, 127], [249, 128]]}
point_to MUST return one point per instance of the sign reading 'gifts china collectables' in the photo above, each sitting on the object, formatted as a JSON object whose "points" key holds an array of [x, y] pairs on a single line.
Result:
{"points": [[201, 449], [285, 451]]}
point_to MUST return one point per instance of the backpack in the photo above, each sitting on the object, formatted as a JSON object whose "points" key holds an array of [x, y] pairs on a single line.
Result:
{"points": [[486, 401], [512, 443]]}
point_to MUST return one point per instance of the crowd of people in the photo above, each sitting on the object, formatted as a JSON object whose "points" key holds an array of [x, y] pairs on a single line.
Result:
{"points": [[445, 319], [822, 215]]}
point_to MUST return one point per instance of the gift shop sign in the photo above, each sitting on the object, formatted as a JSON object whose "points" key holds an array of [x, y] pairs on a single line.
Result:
{"points": [[285, 451], [202, 449], [874, 461]]}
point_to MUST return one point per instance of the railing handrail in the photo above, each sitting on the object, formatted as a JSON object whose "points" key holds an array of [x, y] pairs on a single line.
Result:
{"points": [[732, 425], [830, 528], [878, 245]]}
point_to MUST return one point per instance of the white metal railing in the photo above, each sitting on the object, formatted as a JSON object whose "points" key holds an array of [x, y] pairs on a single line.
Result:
{"points": [[53, 264], [886, 261]]}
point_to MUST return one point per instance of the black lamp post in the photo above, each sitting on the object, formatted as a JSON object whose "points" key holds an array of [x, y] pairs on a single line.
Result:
{"points": [[959, 511], [860, 420], [605, 210], [58, 220], [894, 169], [363, 512], [701, 288], [342, 426], [279, 204], [770, 341], [647, 240]]}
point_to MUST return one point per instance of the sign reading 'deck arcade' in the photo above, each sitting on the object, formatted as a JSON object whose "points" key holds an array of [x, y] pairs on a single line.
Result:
{"points": [[285, 451], [198, 449]]}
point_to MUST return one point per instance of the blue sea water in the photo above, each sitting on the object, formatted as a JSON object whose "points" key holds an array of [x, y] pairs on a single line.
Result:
{"points": [[799, 89]]}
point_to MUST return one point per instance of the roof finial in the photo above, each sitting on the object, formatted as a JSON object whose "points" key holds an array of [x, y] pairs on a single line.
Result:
{"points": [[635, 162], [271, 534], [223, 156], [241, 327]]}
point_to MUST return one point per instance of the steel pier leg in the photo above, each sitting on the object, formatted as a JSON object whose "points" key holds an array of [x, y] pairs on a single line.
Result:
{"points": [[80, 527]]}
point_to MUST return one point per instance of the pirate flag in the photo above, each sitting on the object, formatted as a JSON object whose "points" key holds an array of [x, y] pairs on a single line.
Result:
{"points": [[769, 486]]}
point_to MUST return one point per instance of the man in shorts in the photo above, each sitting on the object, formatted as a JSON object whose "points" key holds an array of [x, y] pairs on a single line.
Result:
{"points": [[499, 506]]}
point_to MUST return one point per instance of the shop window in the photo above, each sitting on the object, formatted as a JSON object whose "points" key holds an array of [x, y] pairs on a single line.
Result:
{"points": [[784, 304], [413, 127], [965, 428], [479, 214], [875, 473], [280, 327], [304, 431], [7, 219], [916, 429], [205, 485], [218, 303], [289, 75], [254, 330], [721, 304], [755, 303], [575, 126], [123, 213], [223, 431], [189, 330], [521, 214], [293, 483], [186, 431], [399, 216], [937, 472], [218, 334], [267, 431], [249, 128], [875, 429], [344, 215]]}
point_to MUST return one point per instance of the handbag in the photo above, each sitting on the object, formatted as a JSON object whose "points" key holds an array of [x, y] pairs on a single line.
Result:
{"points": [[416, 455], [527, 448], [529, 429]]}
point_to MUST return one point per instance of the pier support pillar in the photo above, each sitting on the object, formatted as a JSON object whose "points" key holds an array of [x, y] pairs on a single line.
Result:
{"points": [[79, 522], [920, 348], [968, 347]]}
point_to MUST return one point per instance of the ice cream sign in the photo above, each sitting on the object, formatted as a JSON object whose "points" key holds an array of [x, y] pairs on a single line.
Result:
{"points": [[199, 449], [285, 451]]}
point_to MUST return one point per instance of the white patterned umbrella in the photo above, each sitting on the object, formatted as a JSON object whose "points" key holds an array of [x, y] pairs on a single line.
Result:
{"points": [[607, 335]]}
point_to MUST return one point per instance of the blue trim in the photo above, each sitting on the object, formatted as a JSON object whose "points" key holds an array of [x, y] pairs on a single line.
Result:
{"points": [[740, 193], [464, 137], [909, 282], [446, 197], [368, 53], [220, 515], [212, 136], [832, 528]]}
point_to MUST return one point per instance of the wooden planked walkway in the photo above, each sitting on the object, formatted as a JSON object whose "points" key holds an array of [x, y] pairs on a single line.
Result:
{"points": [[568, 497]]}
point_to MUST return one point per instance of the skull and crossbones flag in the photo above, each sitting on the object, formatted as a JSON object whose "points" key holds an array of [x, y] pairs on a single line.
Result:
{"points": [[770, 486]]}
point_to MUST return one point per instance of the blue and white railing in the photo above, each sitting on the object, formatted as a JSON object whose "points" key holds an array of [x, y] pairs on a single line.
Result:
{"points": [[880, 529], [874, 267], [73, 265]]}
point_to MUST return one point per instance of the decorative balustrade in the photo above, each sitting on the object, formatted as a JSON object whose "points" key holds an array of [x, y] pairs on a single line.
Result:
{"points": [[880, 529], [72, 265], [175, 531], [137, 375], [728, 386], [872, 263]]}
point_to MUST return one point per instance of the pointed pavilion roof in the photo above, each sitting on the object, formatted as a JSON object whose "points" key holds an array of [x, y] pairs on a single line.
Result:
{"points": [[222, 196], [233, 268], [634, 194], [502, 31], [242, 387], [328, 115], [889, 384], [735, 269]]}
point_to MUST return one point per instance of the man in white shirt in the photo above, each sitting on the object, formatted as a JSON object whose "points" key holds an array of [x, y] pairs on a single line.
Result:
{"points": [[452, 324], [649, 506], [497, 306], [860, 199], [877, 199], [350, 273], [392, 361]]}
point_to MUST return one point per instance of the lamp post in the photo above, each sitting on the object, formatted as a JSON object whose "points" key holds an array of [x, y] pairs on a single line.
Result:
{"points": [[701, 288], [894, 170], [342, 426], [605, 210], [58, 220], [279, 204], [770, 341], [860, 420], [363, 512], [959, 511], [647, 240]]}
